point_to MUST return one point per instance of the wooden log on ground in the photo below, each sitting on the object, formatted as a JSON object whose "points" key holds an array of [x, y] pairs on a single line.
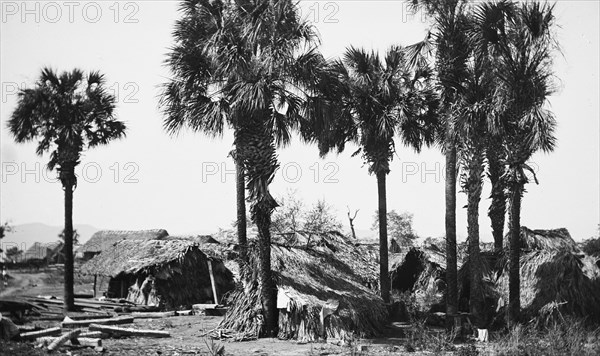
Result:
{"points": [[79, 341], [128, 331], [37, 334], [64, 338], [94, 335], [27, 328], [88, 316], [146, 315], [87, 341], [204, 306], [184, 312], [108, 321]]}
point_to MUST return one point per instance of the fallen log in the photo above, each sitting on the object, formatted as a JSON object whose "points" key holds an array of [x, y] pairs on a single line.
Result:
{"points": [[145, 315], [88, 316], [64, 338], [69, 323], [184, 312], [94, 335], [79, 341], [87, 341], [128, 331], [37, 334]]}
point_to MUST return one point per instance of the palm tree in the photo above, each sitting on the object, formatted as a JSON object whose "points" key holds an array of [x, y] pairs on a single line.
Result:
{"points": [[201, 36], [252, 65], [378, 101], [524, 51], [66, 114], [447, 41], [474, 126], [495, 154]]}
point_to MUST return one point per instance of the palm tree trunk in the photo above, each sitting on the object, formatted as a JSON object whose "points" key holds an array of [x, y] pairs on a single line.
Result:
{"points": [[514, 282], [451, 269], [474, 187], [268, 289], [259, 158], [497, 210], [241, 209], [384, 274], [69, 301]]}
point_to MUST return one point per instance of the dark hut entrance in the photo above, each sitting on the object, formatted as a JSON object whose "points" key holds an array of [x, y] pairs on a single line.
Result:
{"points": [[118, 287]]}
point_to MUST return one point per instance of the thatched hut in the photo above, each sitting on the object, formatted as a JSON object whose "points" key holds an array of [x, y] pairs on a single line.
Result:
{"points": [[319, 296], [49, 252], [169, 273], [421, 271], [553, 272], [103, 239]]}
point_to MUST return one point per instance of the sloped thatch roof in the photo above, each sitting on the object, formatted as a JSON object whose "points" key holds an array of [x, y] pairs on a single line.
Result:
{"points": [[308, 281], [132, 256], [41, 250], [104, 239], [553, 270], [560, 276], [360, 259], [553, 239]]}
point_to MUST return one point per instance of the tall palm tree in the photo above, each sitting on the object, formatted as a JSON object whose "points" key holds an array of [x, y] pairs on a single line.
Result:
{"points": [[252, 65], [448, 43], [474, 125], [193, 98], [524, 53], [66, 114], [380, 100]]}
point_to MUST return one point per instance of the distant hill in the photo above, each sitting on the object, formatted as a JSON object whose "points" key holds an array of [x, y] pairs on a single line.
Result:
{"points": [[25, 235]]}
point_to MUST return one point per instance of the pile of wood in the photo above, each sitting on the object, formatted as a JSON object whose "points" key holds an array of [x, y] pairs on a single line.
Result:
{"points": [[95, 320], [87, 332]]}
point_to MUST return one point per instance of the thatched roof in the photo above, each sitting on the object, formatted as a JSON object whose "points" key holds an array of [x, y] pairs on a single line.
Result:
{"points": [[132, 256], [362, 259], [41, 250], [554, 239], [308, 281], [553, 270], [104, 239], [558, 276]]}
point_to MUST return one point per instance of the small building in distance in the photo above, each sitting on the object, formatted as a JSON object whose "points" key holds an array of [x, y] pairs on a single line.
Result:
{"points": [[50, 252]]}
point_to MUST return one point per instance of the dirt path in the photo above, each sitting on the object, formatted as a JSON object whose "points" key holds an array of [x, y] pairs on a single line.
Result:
{"points": [[21, 283]]}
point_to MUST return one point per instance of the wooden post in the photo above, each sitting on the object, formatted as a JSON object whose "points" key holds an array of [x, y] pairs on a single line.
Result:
{"points": [[123, 289], [95, 279], [212, 281]]}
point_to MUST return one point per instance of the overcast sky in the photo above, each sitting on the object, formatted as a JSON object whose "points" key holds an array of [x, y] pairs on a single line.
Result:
{"points": [[186, 183]]}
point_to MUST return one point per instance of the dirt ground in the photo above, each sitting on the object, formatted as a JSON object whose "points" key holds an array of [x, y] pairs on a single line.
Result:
{"points": [[187, 332]]}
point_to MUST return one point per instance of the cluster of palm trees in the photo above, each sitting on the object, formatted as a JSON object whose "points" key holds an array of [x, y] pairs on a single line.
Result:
{"points": [[476, 87], [494, 68]]}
